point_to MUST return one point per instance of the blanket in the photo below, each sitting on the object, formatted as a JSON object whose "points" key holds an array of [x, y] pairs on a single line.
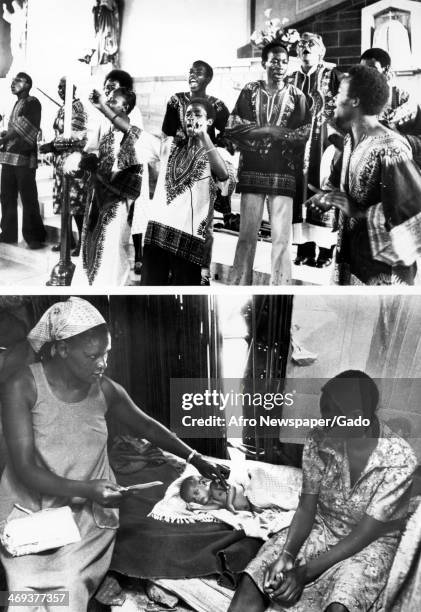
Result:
{"points": [[150, 548], [147, 548]]}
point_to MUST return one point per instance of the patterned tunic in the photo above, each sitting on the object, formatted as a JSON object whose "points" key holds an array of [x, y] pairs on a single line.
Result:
{"points": [[174, 121], [21, 150], [182, 207], [398, 98], [380, 176], [381, 492], [320, 87], [77, 186], [268, 166], [117, 183]]}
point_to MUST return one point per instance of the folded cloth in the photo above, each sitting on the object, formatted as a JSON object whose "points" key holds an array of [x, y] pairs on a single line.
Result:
{"points": [[260, 525], [129, 454]]}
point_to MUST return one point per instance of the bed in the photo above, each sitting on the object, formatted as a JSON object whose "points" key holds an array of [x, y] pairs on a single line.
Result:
{"points": [[199, 560]]}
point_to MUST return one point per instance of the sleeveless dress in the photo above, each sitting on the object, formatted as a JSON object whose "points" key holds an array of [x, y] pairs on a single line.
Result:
{"points": [[71, 441]]}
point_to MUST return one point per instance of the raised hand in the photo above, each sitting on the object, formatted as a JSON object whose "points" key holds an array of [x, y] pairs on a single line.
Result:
{"points": [[97, 99]]}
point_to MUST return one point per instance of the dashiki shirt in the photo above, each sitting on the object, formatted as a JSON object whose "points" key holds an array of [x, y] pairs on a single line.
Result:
{"points": [[268, 166], [380, 176], [381, 492], [397, 99], [77, 186], [174, 121], [21, 150], [320, 86], [106, 231], [182, 207]]}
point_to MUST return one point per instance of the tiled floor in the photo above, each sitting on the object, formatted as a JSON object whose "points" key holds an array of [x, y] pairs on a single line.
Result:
{"points": [[22, 267]]}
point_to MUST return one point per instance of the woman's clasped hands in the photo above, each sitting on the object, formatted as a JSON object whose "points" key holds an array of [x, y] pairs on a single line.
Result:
{"points": [[284, 581]]}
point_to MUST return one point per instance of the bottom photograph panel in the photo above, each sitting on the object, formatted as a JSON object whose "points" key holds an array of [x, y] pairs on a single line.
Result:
{"points": [[210, 453]]}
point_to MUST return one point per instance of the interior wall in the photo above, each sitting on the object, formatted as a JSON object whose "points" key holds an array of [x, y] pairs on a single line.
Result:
{"points": [[163, 36], [338, 331], [294, 10], [5, 55], [58, 33], [376, 334]]}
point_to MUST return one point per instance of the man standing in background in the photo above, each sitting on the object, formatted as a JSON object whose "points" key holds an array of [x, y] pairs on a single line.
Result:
{"points": [[18, 156], [319, 82]]}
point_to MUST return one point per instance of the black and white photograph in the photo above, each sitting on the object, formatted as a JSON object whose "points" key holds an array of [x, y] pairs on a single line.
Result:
{"points": [[210, 305], [233, 515], [250, 142]]}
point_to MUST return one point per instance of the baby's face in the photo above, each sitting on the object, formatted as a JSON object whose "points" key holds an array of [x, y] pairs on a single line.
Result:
{"points": [[199, 491]]}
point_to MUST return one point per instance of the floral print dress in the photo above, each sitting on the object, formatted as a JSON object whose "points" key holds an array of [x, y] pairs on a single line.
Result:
{"points": [[381, 492]]}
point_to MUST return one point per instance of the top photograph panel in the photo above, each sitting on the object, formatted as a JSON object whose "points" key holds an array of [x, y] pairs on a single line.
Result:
{"points": [[169, 143]]}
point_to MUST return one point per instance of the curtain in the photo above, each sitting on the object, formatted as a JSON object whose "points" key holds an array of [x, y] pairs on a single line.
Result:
{"points": [[395, 360], [156, 338], [269, 322]]}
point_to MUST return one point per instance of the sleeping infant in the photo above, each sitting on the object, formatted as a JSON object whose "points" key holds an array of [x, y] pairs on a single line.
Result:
{"points": [[253, 487], [203, 494]]}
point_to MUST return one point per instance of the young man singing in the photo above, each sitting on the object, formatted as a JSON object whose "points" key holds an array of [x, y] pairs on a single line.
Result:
{"points": [[182, 208]]}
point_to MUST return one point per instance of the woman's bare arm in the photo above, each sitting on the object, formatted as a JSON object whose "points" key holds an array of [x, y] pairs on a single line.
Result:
{"points": [[18, 398], [125, 410], [302, 523]]}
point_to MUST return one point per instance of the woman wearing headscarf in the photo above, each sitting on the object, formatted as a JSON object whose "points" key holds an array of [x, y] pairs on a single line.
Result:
{"points": [[337, 554], [55, 429]]}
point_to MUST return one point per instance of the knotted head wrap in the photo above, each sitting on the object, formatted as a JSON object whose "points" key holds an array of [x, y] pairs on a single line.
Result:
{"points": [[64, 320]]}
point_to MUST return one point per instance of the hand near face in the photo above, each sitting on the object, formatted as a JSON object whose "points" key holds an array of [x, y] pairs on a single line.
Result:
{"points": [[97, 99], [200, 128]]}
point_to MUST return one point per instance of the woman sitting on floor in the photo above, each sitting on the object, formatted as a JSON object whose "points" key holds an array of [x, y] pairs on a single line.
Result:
{"points": [[337, 554], [56, 434]]}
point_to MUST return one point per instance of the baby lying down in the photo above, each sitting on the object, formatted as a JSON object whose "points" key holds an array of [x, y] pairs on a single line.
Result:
{"points": [[260, 498], [201, 493], [253, 489]]}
